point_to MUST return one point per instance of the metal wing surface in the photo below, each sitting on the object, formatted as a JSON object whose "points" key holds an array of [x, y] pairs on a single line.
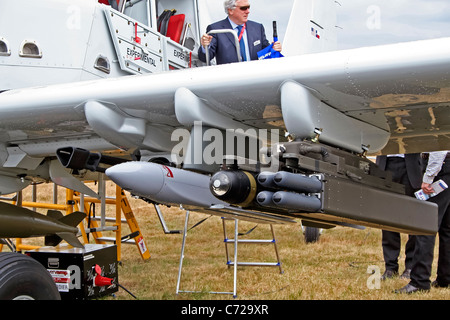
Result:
{"points": [[393, 98]]}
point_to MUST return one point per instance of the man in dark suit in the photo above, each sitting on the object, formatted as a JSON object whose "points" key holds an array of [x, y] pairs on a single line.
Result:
{"points": [[251, 35], [407, 170], [438, 168]]}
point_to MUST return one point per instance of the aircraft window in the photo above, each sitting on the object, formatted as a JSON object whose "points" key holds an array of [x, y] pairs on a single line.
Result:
{"points": [[30, 49], [102, 64], [4, 48]]}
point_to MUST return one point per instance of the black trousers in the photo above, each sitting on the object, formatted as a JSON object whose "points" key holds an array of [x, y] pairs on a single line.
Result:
{"points": [[391, 241], [424, 251]]}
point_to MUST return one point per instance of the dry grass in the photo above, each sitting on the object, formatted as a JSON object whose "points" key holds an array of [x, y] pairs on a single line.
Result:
{"points": [[335, 268]]}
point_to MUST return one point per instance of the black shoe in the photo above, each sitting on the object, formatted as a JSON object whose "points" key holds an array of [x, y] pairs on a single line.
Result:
{"points": [[389, 274], [408, 289], [406, 274], [436, 284]]}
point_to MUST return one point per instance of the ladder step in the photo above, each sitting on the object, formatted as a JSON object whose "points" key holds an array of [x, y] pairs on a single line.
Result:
{"points": [[257, 264], [108, 219], [249, 241], [101, 229], [112, 239]]}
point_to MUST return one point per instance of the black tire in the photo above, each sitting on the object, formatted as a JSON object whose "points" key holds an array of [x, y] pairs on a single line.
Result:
{"points": [[23, 278], [311, 234]]}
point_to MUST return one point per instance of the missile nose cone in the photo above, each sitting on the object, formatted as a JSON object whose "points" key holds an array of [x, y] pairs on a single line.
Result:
{"points": [[220, 184], [235, 187], [142, 178]]}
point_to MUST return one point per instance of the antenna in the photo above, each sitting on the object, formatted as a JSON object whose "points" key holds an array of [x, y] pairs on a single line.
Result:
{"points": [[275, 32]]}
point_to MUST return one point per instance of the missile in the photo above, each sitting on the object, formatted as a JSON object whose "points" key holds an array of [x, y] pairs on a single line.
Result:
{"points": [[19, 222], [297, 182], [163, 184], [296, 201]]}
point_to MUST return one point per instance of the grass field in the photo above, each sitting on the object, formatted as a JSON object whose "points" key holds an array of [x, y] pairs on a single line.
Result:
{"points": [[335, 268]]}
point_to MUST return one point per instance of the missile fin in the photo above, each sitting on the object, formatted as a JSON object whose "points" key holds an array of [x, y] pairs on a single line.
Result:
{"points": [[55, 214], [73, 219], [71, 239], [52, 240]]}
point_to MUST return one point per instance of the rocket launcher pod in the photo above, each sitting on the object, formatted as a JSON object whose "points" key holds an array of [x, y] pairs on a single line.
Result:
{"points": [[240, 188]]}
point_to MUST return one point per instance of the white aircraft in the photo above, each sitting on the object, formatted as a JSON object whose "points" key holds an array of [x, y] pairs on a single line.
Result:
{"points": [[269, 141]]}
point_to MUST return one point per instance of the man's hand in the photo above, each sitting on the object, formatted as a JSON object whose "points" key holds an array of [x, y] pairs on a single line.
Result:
{"points": [[426, 187], [277, 46], [206, 40]]}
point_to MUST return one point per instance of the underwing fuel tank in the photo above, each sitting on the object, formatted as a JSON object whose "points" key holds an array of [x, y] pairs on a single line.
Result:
{"points": [[18, 222]]}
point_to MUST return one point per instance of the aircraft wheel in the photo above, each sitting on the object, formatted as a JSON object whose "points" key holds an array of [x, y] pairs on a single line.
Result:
{"points": [[311, 234], [23, 278]]}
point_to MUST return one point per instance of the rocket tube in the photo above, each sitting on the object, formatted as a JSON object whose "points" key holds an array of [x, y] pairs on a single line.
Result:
{"points": [[264, 198], [297, 182], [296, 201], [265, 180]]}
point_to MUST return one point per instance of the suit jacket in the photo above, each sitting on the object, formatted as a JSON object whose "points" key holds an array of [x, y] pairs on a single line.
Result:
{"points": [[223, 46], [414, 168]]}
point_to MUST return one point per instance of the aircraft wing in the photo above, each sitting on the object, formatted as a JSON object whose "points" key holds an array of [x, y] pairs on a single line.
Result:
{"points": [[393, 98], [386, 99]]}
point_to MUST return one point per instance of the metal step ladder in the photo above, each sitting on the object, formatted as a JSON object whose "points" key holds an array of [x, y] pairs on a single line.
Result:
{"points": [[251, 241], [235, 263], [122, 206]]}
